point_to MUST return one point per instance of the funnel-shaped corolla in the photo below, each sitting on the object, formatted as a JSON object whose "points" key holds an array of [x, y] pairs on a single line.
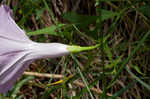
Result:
{"points": [[17, 51]]}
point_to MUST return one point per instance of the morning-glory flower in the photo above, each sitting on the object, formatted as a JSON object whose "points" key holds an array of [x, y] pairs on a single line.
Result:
{"points": [[17, 51]]}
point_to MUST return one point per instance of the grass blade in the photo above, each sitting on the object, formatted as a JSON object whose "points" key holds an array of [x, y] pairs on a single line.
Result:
{"points": [[139, 80], [128, 58], [120, 92], [19, 85], [83, 78]]}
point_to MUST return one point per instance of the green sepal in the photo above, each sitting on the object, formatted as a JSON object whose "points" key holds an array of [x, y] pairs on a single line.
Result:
{"points": [[76, 49]]}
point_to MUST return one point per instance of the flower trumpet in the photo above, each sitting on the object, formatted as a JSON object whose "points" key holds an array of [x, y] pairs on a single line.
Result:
{"points": [[17, 51]]}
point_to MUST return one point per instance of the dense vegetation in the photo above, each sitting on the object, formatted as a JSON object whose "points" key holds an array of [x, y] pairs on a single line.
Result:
{"points": [[119, 68]]}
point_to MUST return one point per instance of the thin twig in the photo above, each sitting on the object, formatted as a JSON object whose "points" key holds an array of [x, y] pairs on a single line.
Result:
{"points": [[98, 91], [43, 75]]}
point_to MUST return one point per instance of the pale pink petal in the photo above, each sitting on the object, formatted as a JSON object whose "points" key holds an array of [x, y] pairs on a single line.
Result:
{"points": [[8, 27], [17, 51], [9, 46], [12, 75]]}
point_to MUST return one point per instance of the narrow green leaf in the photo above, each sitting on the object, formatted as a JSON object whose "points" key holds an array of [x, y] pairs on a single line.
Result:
{"points": [[106, 14], [138, 79], [138, 70], [83, 78], [120, 92], [84, 20], [145, 9], [19, 85], [48, 30], [125, 62]]}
